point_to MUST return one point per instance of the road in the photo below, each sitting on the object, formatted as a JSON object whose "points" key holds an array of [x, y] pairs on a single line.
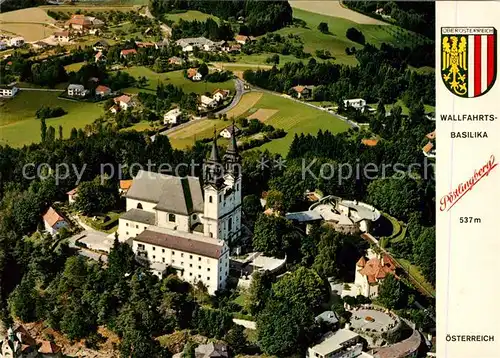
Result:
{"points": [[240, 90], [91, 233]]}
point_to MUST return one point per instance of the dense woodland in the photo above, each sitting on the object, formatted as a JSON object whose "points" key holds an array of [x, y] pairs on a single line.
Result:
{"points": [[259, 16]]}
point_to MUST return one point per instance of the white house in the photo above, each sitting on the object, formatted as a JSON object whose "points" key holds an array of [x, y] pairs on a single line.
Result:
{"points": [[100, 57], [242, 39], [53, 221], [61, 36], [125, 102], [220, 94], [343, 343], [102, 91], [188, 44], [8, 91], [3, 45], [172, 117], [16, 41], [194, 75], [357, 103], [76, 90], [72, 194], [229, 131], [175, 221], [208, 102]]}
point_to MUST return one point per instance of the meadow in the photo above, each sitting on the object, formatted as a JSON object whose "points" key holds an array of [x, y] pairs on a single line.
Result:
{"points": [[199, 129], [190, 15], [174, 77], [19, 126]]}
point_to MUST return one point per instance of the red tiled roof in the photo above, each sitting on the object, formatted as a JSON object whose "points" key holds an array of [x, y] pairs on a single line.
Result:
{"points": [[128, 52], [61, 33], [48, 348], [370, 142], [361, 262], [377, 269], [299, 89], [125, 184], [123, 98], [102, 88], [191, 72], [51, 217], [72, 191], [428, 147], [99, 55]]}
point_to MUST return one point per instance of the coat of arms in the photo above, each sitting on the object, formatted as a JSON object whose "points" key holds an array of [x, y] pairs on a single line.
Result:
{"points": [[468, 60]]}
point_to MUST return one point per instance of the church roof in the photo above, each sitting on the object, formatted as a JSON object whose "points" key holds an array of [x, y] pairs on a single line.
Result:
{"points": [[179, 195], [377, 269], [141, 216]]}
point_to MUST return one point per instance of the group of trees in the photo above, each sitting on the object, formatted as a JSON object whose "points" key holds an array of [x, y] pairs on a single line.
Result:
{"points": [[276, 43], [49, 112], [208, 28], [259, 16], [355, 35]]}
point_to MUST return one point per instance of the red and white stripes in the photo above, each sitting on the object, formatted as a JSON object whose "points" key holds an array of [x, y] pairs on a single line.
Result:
{"points": [[481, 63]]}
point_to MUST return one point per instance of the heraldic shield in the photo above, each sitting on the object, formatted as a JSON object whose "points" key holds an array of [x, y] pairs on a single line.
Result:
{"points": [[468, 60]]}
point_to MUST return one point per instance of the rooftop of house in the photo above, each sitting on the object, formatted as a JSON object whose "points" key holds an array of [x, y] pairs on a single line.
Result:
{"points": [[300, 89], [170, 193], [174, 112], [223, 92], [369, 142], [48, 347], [102, 88], [334, 341], [194, 41], [51, 217], [177, 240], [123, 98], [131, 51], [191, 72], [211, 350], [99, 55], [376, 268], [304, 216], [74, 86], [102, 43], [72, 191], [125, 184], [428, 147], [232, 129], [327, 316], [62, 33]]}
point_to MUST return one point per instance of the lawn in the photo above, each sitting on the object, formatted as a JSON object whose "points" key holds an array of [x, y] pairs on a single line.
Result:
{"points": [[190, 15], [176, 78], [74, 67], [336, 41], [294, 117], [19, 126], [415, 272], [198, 129], [30, 31]]}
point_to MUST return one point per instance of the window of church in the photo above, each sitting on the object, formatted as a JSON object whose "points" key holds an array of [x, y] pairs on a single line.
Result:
{"points": [[199, 267], [190, 256], [154, 248], [139, 206], [208, 278], [162, 259], [210, 199], [199, 258], [194, 217], [126, 224], [199, 276], [230, 224], [208, 268], [171, 218]]}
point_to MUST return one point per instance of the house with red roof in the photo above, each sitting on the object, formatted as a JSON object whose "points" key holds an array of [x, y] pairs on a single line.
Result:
{"points": [[53, 221], [102, 91], [303, 91], [72, 194], [128, 53], [125, 102], [371, 272]]}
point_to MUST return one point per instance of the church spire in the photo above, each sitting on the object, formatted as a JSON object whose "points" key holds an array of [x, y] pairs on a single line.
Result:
{"points": [[213, 173], [214, 154], [232, 158]]}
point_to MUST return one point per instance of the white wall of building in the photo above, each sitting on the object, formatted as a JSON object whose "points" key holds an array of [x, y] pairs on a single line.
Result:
{"points": [[134, 204]]}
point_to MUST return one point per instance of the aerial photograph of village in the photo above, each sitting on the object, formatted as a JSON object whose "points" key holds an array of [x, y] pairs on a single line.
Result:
{"points": [[217, 178]]}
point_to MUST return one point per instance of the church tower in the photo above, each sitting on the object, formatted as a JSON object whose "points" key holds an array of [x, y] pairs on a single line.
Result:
{"points": [[222, 180]]}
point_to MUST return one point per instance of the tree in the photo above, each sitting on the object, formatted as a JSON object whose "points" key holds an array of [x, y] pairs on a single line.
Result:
{"points": [[60, 132], [43, 130], [203, 69], [95, 197], [391, 293], [121, 260], [259, 291], [275, 200], [323, 27], [303, 285], [73, 134], [51, 134], [236, 339], [272, 235], [251, 207], [326, 263]]}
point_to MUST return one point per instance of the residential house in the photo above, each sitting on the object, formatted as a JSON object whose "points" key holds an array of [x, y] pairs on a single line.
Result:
{"points": [[182, 223], [3, 45], [303, 91], [243, 39], [101, 45], [17, 41], [145, 44], [371, 272], [173, 116], [76, 90], [230, 131], [49, 349], [53, 221], [202, 43], [8, 91], [369, 142], [124, 186], [125, 102], [114, 109], [329, 318], [193, 74], [220, 94], [81, 23], [174, 60], [429, 150], [208, 102], [102, 91], [343, 343], [357, 103], [234, 48], [128, 53], [72, 194], [61, 36], [211, 350], [100, 57]]}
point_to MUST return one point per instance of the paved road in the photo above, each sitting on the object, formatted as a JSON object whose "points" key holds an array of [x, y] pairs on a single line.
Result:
{"points": [[40, 89], [245, 323], [240, 90]]}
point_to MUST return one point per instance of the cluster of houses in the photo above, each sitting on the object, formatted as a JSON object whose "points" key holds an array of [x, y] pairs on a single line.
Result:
{"points": [[18, 343], [8, 91], [204, 44], [12, 42], [83, 24]]}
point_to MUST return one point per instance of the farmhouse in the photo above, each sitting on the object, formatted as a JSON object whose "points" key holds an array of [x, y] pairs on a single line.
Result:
{"points": [[207, 102], [220, 94], [174, 60], [172, 117], [188, 44], [99, 57], [303, 91], [16, 41], [193, 74], [102, 91], [178, 222], [125, 102], [72, 194], [230, 131], [357, 103], [8, 91], [128, 53], [145, 44], [242, 39], [76, 90], [53, 221], [101, 45], [83, 23], [114, 109], [61, 36]]}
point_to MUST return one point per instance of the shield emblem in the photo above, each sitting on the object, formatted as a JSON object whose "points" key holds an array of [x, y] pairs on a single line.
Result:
{"points": [[468, 60]]}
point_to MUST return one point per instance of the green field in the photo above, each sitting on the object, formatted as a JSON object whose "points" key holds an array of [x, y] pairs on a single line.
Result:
{"points": [[336, 41], [176, 78], [74, 67], [199, 129], [294, 117], [18, 125], [190, 15]]}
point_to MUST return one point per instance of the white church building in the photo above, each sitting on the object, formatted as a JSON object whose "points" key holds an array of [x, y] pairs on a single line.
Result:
{"points": [[187, 223]]}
